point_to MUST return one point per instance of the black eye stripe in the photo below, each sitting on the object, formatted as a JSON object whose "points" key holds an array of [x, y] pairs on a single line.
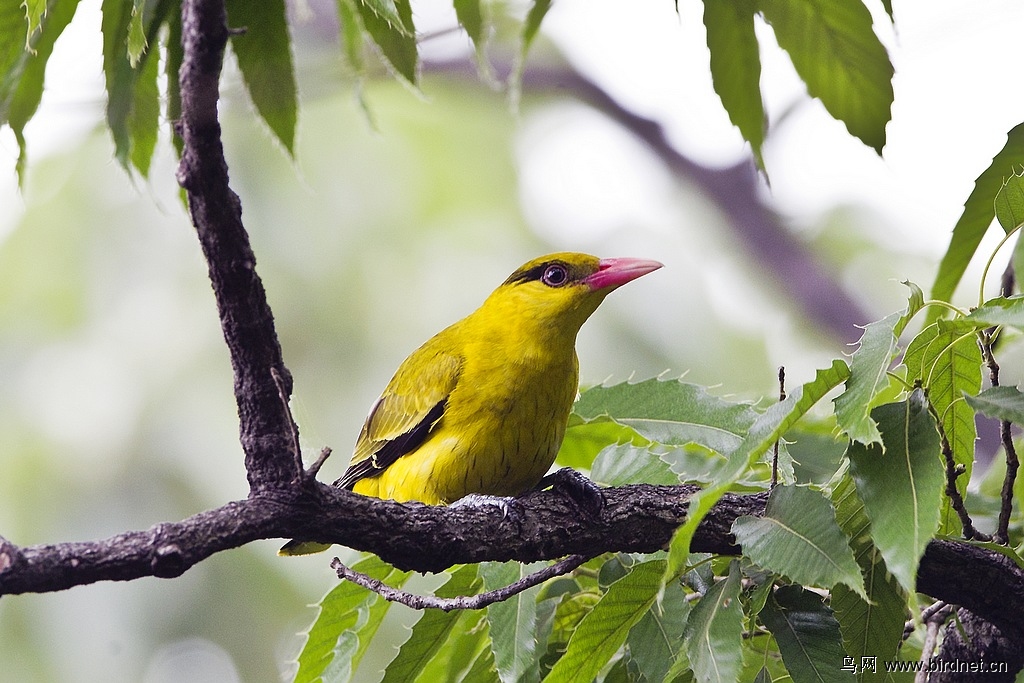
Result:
{"points": [[539, 271]]}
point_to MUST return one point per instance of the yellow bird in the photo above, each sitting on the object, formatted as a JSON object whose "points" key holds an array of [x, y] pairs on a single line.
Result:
{"points": [[481, 408]]}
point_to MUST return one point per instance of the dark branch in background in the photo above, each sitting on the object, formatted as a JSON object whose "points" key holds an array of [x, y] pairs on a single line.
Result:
{"points": [[735, 190]]}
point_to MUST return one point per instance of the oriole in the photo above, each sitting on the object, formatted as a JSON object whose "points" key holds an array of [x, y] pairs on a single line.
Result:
{"points": [[482, 406]]}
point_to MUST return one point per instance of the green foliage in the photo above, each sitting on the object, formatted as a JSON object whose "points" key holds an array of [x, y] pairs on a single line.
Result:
{"points": [[736, 67], [979, 210], [797, 536], [901, 482], [840, 59], [807, 634]]}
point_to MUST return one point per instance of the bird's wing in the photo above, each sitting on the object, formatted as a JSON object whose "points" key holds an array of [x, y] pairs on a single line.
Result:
{"points": [[410, 407]]}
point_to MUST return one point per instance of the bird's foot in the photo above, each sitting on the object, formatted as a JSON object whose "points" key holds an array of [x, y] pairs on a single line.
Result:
{"points": [[477, 500], [581, 490]]}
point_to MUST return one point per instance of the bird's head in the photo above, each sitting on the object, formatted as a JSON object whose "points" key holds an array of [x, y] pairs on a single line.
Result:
{"points": [[560, 291]]}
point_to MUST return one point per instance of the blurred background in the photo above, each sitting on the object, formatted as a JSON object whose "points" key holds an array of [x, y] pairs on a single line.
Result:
{"points": [[398, 215]]}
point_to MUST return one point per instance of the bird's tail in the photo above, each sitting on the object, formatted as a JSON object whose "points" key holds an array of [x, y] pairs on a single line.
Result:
{"points": [[292, 548]]}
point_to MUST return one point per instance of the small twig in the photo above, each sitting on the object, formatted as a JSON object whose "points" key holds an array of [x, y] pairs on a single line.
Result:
{"points": [[987, 342], [933, 617], [775, 449], [463, 601], [314, 469], [927, 614], [282, 393], [953, 471]]}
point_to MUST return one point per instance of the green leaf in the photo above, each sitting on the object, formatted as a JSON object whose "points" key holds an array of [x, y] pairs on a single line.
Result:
{"points": [[736, 67], [655, 642], [766, 430], [137, 42], [714, 632], [173, 57], [35, 10], [471, 19], [12, 46], [798, 537], [979, 209], [669, 412], [390, 25], [265, 60], [946, 358], [144, 119], [868, 368], [622, 464], [807, 634], [21, 81], [1009, 202], [584, 441], [432, 629], [1001, 403], [901, 484], [872, 628], [840, 59], [339, 612], [513, 622], [998, 311], [461, 652], [603, 631]]}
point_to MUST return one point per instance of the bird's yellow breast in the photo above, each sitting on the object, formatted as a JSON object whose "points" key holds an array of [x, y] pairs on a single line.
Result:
{"points": [[502, 426]]}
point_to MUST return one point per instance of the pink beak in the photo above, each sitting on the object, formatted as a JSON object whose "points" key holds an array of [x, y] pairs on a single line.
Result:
{"points": [[614, 272]]}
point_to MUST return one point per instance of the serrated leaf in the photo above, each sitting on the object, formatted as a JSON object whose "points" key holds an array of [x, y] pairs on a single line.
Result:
{"points": [[584, 441], [35, 10], [265, 60], [339, 612], [840, 59], [351, 34], [132, 98], [1009, 202], [872, 628], [655, 642], [137, 42], [513, 622], [807, 634], [432, 630], [979, 209], [622, 464], [714, 631], [461, 651], [946, 358], [998, 311], [603, 631], [1001, 403], [868, 367], [766, 430], [173, 57], [901, 484], [471, 19], [669, 412], [144, 120], [24, 69], [798, 537], [395, 35], [736, 67]]}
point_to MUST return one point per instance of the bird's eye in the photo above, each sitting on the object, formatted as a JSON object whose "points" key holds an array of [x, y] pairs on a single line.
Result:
{"points": [[555, 275]]}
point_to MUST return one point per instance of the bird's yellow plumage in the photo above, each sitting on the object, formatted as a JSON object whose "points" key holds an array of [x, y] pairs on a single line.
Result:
{"points": [[482, 406]]}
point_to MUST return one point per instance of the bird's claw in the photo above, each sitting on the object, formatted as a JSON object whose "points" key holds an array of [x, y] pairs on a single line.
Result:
{"points": [[477, 500], [581, 490]]}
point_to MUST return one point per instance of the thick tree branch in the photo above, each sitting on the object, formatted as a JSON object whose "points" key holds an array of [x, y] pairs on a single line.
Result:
{"points": [[246, 319]]}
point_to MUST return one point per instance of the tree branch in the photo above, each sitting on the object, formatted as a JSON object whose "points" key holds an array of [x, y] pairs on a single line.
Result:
{"points": [[265, 428]]}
